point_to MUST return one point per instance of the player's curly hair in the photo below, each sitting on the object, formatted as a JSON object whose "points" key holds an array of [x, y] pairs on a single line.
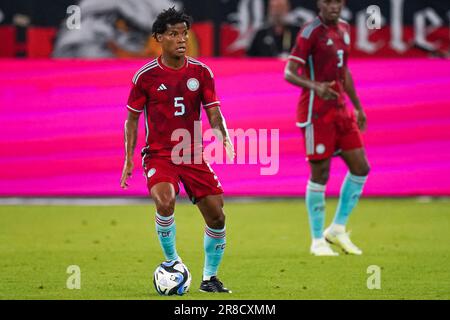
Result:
{"points": [[170, 16]]}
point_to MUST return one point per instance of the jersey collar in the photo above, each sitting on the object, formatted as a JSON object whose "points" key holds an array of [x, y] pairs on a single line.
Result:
{"points": [[167, 68]]}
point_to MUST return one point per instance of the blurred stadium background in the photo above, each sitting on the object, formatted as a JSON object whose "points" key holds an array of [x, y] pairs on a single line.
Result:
{"points": [[64, 89], [62, 118]]}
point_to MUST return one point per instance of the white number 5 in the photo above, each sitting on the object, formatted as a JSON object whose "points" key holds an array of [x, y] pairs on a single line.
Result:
{"points": [[180, 105], [340, 54]]}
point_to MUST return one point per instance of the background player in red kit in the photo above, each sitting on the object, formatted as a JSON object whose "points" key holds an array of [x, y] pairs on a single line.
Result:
{"points": [[169, 91], [329, 127]]}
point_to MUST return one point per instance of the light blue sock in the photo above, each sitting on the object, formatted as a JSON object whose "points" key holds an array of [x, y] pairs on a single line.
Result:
{"points": [[214, 245], [165, 228], [350, 192], [315, 203]]}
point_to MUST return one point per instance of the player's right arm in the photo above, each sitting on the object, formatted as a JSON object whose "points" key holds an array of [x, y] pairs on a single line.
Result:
{"points": [[130, 138], [297, 62], [322, 89], [136, 104]]}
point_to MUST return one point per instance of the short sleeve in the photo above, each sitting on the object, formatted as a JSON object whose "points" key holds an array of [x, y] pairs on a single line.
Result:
{"points": [[137, 98], [302, 48], [209, 97], [347, 41]]}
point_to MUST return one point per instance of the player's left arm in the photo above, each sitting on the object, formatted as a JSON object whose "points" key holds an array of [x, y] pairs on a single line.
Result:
{"points": [[218, 123], [349, 87], [211, 104]]}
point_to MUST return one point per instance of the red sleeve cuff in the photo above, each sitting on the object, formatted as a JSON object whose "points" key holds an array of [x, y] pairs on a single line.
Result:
{"points": [[137, 111], [297, 59], [211, 105]]}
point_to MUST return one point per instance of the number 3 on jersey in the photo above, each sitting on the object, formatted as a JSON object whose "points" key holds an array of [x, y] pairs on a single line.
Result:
{"points": [[340, 54], [178, 104]]}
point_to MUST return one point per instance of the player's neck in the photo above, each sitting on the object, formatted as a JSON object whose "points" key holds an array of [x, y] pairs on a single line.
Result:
{"points": [[328, 22], [173, 62]]}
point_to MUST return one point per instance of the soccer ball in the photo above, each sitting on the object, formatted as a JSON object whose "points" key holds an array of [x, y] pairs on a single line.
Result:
{"points": [[172, 277]]}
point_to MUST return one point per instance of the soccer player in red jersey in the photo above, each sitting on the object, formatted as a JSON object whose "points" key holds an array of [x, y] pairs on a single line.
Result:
{"points": [[329, 127], [170, 91]]}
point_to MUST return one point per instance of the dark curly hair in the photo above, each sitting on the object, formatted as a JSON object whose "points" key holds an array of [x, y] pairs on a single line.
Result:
{"points": [[170, 16]]}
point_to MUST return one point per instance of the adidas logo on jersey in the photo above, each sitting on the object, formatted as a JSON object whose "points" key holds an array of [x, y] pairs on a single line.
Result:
{"points": [[330, 42], [162, 87]]}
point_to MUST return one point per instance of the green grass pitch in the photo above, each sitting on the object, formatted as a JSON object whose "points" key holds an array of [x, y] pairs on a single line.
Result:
{"points": [[267, 255]]}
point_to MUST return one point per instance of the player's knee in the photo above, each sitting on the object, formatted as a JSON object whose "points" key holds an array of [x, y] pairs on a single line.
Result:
{"points": [[362, 170], [217, 222], [320, 172], [366, 170], [165, 204], [322, 178], [166, 208], [220, 202]]}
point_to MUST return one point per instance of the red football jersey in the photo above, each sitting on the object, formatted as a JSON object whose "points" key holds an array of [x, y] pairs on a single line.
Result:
{"points": [[171, 99], [324, 50]]}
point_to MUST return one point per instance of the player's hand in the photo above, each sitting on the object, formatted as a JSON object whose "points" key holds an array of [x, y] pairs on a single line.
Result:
{"points": [[324, 90], [361, 119], [126, 173], [229, 149]]}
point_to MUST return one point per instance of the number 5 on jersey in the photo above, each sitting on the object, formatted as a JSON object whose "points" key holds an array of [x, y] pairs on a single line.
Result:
{"points": [[178, 104]]}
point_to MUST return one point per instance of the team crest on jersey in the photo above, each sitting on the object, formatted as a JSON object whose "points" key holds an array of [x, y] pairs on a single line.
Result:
{"points": [[320, 148], [346, 38], [193, 84], [151, 172]]}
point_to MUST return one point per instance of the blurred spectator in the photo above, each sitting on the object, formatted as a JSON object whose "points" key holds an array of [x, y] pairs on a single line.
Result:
{"points": [[435, 53], [113, 28], [277, 37], [153, 49]]}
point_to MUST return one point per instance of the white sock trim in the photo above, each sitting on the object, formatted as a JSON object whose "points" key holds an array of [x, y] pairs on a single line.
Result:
{"points": [[207, 278], [357, 179], [163, 217], [312, 186]]}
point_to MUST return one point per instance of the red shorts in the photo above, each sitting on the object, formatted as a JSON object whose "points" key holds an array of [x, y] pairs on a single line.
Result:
{"points": [[199, 180], [326, 136]]}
